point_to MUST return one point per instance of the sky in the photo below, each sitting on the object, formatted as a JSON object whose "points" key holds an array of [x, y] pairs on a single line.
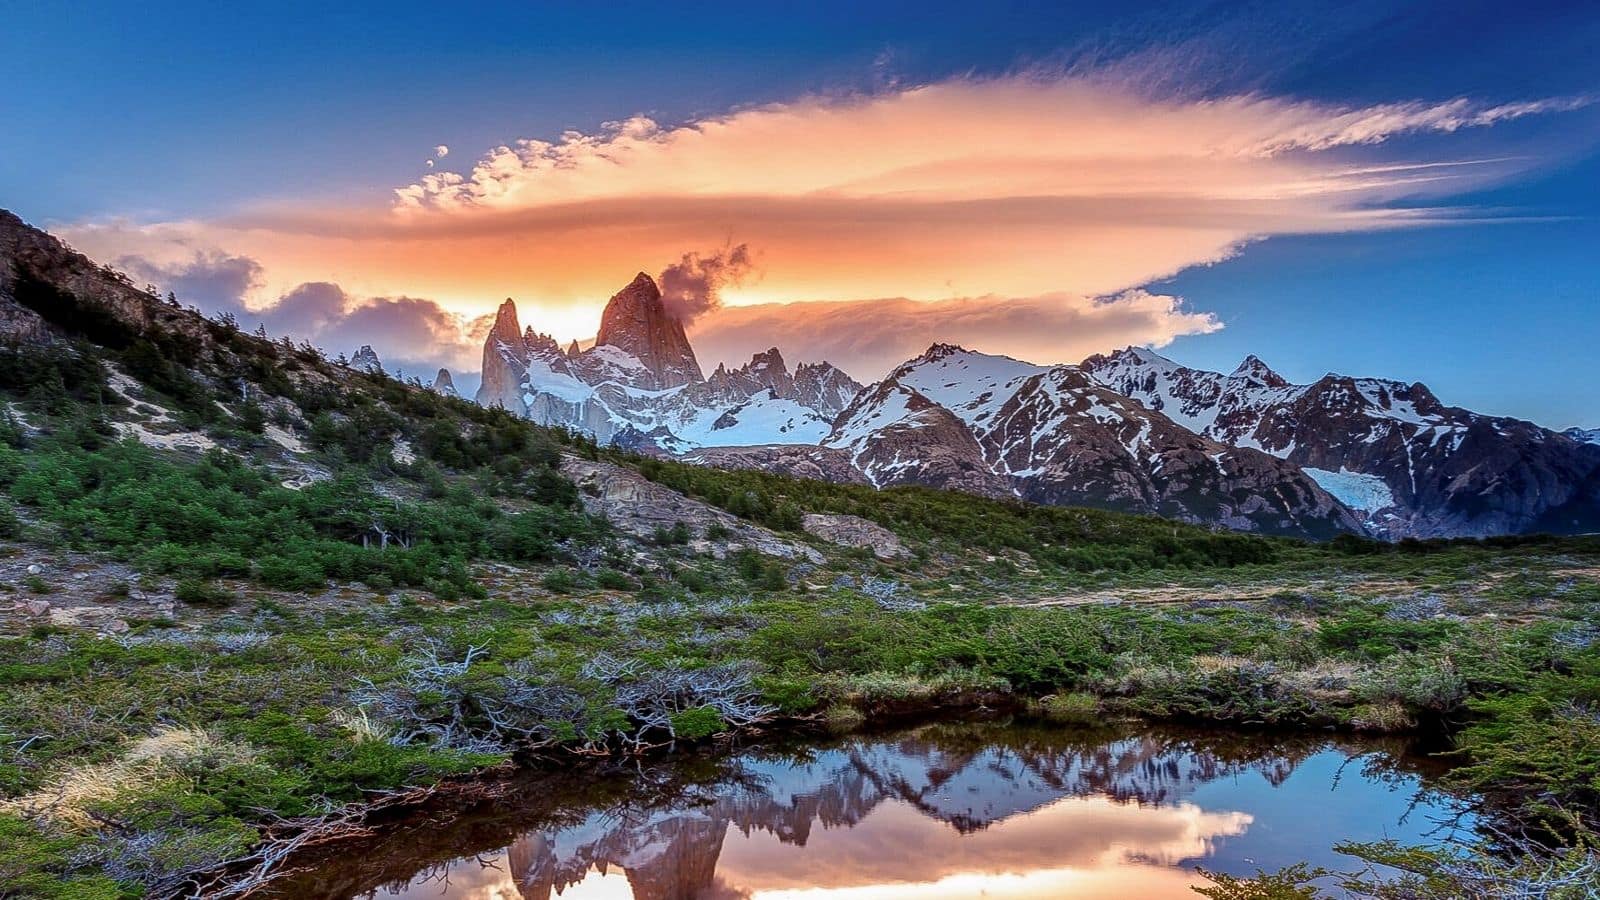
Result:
{"points": [[1402, 190]]}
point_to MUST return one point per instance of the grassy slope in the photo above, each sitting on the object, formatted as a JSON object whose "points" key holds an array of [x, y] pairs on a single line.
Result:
{"points": [[126, 761]]}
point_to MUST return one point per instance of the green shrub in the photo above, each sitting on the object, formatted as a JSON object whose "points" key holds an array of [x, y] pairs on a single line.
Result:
{"points": [[613, 580], [697, 723], [202, 593]]}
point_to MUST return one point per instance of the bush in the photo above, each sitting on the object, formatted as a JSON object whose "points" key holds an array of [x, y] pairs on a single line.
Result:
{"points": [[1070, 709], [613, 580], [202, 593], [697, 723], [559, 581]]}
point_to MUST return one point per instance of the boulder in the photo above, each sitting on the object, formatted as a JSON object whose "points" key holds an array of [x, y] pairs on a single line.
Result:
{"points": [[853, 531]]}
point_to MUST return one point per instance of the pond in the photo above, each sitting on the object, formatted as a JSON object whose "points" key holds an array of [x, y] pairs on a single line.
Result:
{"points": [[945, 810]]}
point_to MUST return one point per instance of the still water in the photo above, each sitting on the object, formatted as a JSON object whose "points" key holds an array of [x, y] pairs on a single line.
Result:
{"points": [[943, 811]]}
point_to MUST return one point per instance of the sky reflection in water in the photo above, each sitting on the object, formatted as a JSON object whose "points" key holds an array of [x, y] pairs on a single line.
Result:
{"points": [[942, 813]]}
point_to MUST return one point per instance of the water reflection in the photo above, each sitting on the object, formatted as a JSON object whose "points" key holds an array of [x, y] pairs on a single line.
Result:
{"points": [[944, 811]]}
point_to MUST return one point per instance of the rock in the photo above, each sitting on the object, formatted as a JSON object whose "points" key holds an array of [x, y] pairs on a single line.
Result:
{"points": [[639, 507], [116, 626], [444, 384], [853, 531], [796, 460], [35, 569], [636, 322], [36, 607]]}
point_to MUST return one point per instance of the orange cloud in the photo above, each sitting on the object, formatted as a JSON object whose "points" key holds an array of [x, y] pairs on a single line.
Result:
{"points": [[1022, 186], [867, 338]]}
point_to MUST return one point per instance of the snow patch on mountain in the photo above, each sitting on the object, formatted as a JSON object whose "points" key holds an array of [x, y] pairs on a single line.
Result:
{"points": [[1357, 490], [1584, 435]]}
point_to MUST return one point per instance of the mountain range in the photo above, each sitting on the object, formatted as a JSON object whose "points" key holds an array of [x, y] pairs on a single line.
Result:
{"points": [[1132, 431]]}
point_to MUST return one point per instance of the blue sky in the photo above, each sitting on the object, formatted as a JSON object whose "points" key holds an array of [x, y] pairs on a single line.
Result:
{"points": [[192, 113]]}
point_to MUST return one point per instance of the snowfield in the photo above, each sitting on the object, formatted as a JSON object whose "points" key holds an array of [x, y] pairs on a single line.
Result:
{"points": [[1357, 490]]}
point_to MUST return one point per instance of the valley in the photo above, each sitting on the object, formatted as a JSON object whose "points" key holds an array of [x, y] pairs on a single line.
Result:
{"points": [[262, 602]]}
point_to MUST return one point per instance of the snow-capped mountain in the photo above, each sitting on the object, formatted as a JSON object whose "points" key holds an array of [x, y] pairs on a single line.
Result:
{"points": [[366, 360], [990, 424], [1411, 465], [1584, 435], [640, 384], [1130, 431]]}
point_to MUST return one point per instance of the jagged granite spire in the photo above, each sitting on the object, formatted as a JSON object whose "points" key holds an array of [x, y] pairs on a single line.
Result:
{"points": [[366, 360], [637, 322], [444, 384], [504, 362]]}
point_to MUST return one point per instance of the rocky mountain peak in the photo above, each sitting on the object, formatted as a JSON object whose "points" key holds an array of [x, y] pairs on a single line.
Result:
{"points": [[504, 361], [767, 359], [505, 326], [1253, 369], [637, 322], [366, 360], [572, 349], [444, 384], [938, 351]]}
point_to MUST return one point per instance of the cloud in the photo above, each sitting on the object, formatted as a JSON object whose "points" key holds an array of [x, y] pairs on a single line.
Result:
{"points": [[867, 338], [963, 138], [410, 333], [1030, 185], [212, 280], [692, 286], [441, 151]]}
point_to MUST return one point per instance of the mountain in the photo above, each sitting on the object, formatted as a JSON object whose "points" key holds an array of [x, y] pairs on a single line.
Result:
{"points": [[366, 360], [640, 385], [993, 425], [444, 384], [1584, 435], [637, 323], [1411, 465]]}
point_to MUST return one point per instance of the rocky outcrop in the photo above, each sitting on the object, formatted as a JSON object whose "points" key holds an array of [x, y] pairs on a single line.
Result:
{"points": [[444, 384], [45, 286], [854, 531], [1413, 466], [639, 507], [637, 323], [794, 460]]}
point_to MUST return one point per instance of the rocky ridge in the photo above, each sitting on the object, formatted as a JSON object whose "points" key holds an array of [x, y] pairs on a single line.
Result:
{"points": [[640, 385], [1412, 466]]}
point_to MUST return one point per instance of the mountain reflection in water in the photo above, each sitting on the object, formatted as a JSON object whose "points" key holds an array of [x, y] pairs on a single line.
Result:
{"points": [[943, 811]]}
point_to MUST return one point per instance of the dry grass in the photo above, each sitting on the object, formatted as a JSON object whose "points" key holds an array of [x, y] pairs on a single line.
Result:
{"points": [[72, 797]]}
